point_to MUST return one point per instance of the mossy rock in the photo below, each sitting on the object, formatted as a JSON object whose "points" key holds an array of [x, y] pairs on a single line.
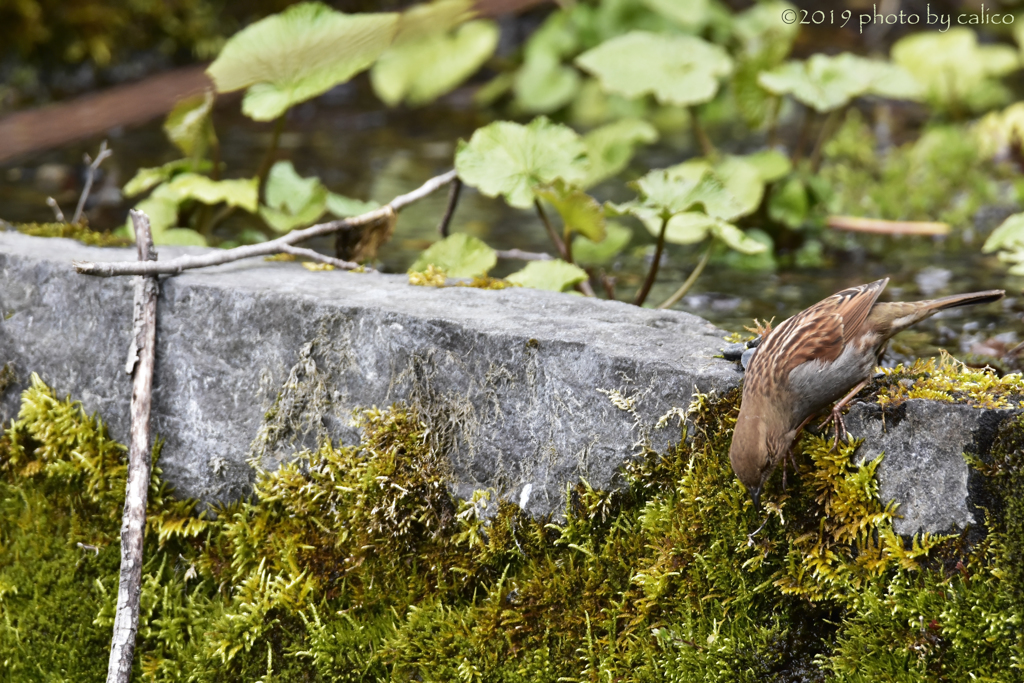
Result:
{"points": [[357, 564]]}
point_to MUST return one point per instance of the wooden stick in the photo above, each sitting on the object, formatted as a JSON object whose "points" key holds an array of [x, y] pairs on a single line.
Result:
{"points": [[519, 254], [216, 258], [141, 359], [881, 227]]}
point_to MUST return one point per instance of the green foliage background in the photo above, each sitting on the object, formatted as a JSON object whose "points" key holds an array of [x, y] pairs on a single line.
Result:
{"points": [[356, 564]]}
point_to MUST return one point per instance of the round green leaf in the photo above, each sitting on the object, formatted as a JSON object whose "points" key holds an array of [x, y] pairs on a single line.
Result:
{"points": [[188, 124], [680, 70], [822, 82], [508, 159], [180, 237], [953, 68], [544, 84], [610, 147], [1009, 235], [346, 207], [287, 191], [770, 164], [147, 178], [298, 54], [741, 180], [240, 193], [691, 15], [458, 255], [579, 211], [555, 275], [617, 236], [421, 70]]}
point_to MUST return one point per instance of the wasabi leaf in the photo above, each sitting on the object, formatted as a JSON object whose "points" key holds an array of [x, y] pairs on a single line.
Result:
{"points": [[555, 275], [508, 159], [579, 211], [617, 236], [690, 15], [421, 70], [458, 255], [954, 69], [286, 190], [188, 125], [610, 147], [346, 207], [740, 179], [298, 54], [680, 70], [543, 84], [148, 178], [770, 164], [240, 193]]}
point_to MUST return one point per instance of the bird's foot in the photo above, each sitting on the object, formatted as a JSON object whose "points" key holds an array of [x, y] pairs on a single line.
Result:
{"points": [[750, 536], [836, 418]]}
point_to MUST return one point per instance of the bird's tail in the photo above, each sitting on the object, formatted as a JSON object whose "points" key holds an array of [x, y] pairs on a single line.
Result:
{"points": [[901, 315]]}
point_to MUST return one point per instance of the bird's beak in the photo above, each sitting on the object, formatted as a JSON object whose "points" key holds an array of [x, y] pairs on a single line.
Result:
{"points": [[756, 495]]}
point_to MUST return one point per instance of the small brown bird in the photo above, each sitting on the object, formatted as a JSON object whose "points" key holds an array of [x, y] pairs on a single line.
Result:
{"points": [[813, 359]]}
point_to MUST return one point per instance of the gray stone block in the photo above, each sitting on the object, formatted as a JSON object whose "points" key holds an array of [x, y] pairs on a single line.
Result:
{"points": [[259, 359], [924, 469]]}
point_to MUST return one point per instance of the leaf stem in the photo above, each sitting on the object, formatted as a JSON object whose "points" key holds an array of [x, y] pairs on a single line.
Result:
{"points": [[805, 126], [552, 233], [685, 287], [707, 147], [449, 210], [652, 273], [823, 135], [268, 158]]}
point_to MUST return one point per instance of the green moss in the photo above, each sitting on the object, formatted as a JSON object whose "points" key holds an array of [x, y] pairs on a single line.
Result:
{"points": [[75, 231], [356, 564], [947, 379]]}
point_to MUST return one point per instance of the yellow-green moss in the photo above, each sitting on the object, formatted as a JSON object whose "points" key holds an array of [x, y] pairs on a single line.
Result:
{"points": [[947, 379], [75, 231], [356, 564]]}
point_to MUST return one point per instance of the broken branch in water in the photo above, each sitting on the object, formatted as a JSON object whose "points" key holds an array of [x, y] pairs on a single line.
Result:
{"points": [[521, 255], [883, 227], [216, 258]]}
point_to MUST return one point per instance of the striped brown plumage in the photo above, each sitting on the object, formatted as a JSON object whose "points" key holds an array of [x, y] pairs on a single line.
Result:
{"points": [[810, 361]]}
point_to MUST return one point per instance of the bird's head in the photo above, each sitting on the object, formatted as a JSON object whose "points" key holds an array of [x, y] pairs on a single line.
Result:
{"points": [[759, 443]]}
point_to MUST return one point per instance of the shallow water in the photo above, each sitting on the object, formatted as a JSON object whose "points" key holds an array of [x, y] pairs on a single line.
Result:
{"points": [[361, 149]]}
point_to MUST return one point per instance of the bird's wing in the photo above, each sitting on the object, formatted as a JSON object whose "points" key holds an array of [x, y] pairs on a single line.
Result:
{"points": [[816, 333]]}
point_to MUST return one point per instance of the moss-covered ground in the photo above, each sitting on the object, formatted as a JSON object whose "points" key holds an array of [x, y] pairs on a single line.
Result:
{"points": [[356, 564]]}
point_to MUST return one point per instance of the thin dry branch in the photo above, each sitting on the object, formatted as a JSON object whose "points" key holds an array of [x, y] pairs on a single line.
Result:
{"points": [[883, 227], [57, 213], [89, 178], [141, 359], [216, 258], [321, 258], [520, 255]]}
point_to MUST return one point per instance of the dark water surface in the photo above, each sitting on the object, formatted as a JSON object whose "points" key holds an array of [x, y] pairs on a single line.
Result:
{"points": [[360, 149]]}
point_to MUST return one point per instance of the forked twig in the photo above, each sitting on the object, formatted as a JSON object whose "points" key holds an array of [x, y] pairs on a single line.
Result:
{"points": [[216, 258], [89, 178]]}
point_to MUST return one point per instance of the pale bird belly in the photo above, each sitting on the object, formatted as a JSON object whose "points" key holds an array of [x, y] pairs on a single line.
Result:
{"points": [[817, 384]]}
